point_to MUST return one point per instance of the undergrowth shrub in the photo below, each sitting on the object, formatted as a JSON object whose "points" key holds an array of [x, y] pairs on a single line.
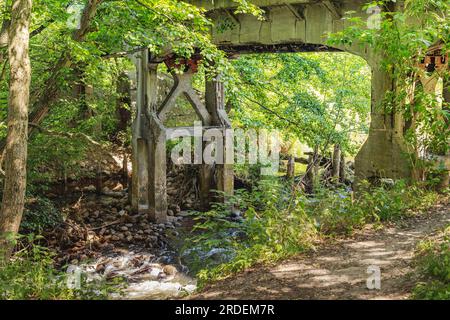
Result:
{"points": [[276, 221], [341, 212], [40, 214], [268, 230], [433, 265]]}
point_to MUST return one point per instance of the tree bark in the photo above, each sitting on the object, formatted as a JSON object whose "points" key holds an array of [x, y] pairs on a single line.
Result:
{"points": [[336, 162], [16, 140], [290, 172], [312, 171], [342, 174]]}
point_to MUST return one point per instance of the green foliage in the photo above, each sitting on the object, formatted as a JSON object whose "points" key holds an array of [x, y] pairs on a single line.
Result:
{"points": [[50, 157], [317, 99], [268, 231], [342, 212], [97, 61], [433, 264], [402, 41], [31, 275], [40, 214], [278, 222], [59, 152], [245, 6]]}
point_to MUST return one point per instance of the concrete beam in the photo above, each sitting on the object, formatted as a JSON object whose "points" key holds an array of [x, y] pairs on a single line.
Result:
{"points": [[221, 4], [332, 7], [183, 86], [277, 48], [296, 11]]}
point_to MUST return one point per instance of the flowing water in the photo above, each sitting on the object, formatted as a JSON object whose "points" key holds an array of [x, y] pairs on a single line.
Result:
{"points": [[147, 275]]}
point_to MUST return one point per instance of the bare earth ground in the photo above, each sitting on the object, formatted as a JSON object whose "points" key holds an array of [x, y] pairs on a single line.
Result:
{"points": [[339, 270]]}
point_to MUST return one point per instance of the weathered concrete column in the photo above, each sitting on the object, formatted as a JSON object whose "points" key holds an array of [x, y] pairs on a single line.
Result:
{"points": [[433, 84], [445, 179], [156, 137], [139, 187], [157, 170], [384, 154], [220, 176], [149, 145]]}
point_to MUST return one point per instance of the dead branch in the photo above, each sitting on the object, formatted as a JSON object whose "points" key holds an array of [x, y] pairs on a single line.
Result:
{"points": [[66, 134]]}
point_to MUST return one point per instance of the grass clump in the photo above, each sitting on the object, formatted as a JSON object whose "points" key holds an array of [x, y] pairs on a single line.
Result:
{"points": [[433, 266]]}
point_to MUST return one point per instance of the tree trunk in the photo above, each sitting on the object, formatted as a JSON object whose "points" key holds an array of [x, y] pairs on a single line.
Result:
{"points": [[99, 178], [342, 175], [312, 171], [290, 167], [125, 169], [123, 110], [16, 140], [336, 168]]}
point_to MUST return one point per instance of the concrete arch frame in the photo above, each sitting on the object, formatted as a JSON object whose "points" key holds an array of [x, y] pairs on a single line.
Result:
{"points": [[301, 26]]}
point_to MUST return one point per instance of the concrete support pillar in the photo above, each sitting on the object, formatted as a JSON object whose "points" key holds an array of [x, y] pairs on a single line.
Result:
{"points": [[149, 190], [139, 157], [221, 176], [336, 162], [433, 84], [157, 171], [139, 187], [149, 146], [384, 154], [445, 179]]}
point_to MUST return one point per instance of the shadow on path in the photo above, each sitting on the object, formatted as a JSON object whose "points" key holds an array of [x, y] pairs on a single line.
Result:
{"points": [[339, 270]]}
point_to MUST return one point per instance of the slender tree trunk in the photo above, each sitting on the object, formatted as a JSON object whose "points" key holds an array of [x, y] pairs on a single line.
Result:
{"points": [[342, 175], [125, 169], [312, 171], [16, 140], [98, 179], [336, 163], [123, 111], [290, 167]]}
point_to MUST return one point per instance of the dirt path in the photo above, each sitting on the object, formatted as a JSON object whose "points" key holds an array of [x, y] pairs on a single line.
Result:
{"points": [[339, 270]]}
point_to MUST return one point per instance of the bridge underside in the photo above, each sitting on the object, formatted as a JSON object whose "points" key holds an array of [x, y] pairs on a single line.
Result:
{"points": [[287, 26], [275, 48], [303, 26]]}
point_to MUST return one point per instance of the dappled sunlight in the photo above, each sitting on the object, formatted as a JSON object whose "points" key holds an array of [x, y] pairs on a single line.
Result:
{"points": [[335, 272]]}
